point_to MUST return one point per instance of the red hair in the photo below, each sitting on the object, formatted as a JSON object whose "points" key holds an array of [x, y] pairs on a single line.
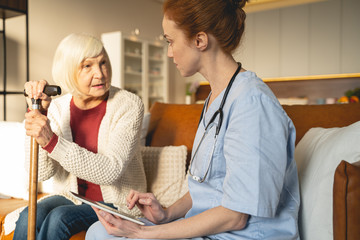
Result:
{"points": [[224, 19]]}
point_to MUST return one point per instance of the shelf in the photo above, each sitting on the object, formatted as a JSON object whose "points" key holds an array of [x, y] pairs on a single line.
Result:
{"points": [[133, 39], [133, 73], [133, 55], [314, 88], [313, 77], [317, 88], [155, 59], [156, 76], [142, 66], [263, 5], [156, 97], [306, 78], [10, 9]]}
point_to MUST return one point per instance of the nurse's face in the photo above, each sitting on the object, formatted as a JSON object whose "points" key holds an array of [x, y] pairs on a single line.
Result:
{"points": [[183, 51]]}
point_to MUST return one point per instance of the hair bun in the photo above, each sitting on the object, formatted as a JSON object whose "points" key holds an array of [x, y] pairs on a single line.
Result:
{"points": [[238, 3]]}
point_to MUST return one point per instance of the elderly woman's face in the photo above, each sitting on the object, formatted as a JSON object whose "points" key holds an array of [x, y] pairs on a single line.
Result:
{"points": [[93, 78]]}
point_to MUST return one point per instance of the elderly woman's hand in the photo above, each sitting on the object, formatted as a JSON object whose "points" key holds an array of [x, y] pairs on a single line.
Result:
{"points": [[34, 89], [37, 125]]}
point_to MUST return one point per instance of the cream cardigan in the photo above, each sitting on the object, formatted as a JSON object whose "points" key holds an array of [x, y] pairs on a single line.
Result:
{"points": [[117, 167]]}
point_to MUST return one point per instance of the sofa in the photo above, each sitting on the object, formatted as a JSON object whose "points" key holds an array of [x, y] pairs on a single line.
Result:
{"points": [[327, 155]]}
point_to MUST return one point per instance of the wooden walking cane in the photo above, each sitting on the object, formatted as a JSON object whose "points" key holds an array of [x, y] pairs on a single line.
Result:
{"points": [[49, 90]]}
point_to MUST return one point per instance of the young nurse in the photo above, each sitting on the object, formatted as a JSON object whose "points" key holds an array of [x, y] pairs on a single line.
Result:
{"points": [[243, 181]]}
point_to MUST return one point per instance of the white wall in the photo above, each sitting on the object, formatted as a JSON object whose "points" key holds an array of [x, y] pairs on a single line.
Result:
{"points": [[51, 20], [317, 38], [310, 39]]}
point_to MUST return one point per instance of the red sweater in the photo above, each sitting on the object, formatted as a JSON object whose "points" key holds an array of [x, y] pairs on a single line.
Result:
{"points": [[85, 126]]}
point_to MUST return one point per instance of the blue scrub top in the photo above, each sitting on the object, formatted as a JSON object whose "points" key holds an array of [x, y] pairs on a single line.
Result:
{"points": [[252, 169]]}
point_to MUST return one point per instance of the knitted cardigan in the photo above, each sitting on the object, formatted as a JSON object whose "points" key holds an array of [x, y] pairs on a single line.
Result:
{"points": [[117, 167]]}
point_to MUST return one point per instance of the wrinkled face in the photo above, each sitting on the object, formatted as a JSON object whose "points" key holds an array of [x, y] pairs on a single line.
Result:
{"points": [[184, 52], [93, 77]]}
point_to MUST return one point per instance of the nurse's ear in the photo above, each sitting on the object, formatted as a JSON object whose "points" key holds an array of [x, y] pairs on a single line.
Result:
{"points": [[202, 41]]}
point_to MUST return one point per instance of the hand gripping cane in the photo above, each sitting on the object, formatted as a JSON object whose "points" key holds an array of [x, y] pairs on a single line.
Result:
{"points": [[49, 90]]}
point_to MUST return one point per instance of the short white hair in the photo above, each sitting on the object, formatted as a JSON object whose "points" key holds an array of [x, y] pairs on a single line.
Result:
{"points": [[69, 55]]}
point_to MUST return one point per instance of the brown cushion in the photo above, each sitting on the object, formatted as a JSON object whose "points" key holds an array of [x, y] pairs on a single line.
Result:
{"points": [[346, 201]]}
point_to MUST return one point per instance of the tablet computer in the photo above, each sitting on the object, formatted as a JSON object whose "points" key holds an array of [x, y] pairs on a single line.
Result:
{"points": [[107, 208]]}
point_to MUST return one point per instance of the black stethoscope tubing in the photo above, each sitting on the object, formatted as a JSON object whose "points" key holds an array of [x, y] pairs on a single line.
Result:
{"points": [[220, 112], [220, 109]]}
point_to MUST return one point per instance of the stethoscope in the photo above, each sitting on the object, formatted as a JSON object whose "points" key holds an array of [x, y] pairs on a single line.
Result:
{"points": [[220, 113]]}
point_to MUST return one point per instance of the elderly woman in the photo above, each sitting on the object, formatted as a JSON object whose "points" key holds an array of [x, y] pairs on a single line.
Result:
{"points": [[89, 140]]}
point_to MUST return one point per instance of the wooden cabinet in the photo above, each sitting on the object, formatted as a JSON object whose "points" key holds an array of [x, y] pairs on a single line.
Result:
{"points": [[139, 66]]}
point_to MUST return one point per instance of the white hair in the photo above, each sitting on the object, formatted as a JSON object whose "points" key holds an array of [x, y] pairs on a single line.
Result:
{"points": [[69, 55]]}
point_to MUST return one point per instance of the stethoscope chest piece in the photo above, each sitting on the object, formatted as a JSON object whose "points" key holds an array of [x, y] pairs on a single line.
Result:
{"points": [[196, 178]]}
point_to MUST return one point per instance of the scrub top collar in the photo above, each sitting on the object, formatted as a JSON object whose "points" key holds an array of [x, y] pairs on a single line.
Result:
{"points": [[209, 111]]}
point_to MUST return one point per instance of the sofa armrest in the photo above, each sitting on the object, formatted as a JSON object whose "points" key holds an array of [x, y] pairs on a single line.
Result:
{"points": [[346, 201], [9, 205]]}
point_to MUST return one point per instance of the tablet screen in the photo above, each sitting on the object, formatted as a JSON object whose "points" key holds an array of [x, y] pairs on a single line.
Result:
{"points": [[107, 208]]}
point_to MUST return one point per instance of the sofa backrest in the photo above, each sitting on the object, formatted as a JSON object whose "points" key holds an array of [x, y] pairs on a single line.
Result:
{"points": [[305, 117], [173, 124], [176, 124]]}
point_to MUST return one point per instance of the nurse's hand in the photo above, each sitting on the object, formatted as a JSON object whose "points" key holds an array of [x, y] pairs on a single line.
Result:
{"points": [[148, 205]]}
